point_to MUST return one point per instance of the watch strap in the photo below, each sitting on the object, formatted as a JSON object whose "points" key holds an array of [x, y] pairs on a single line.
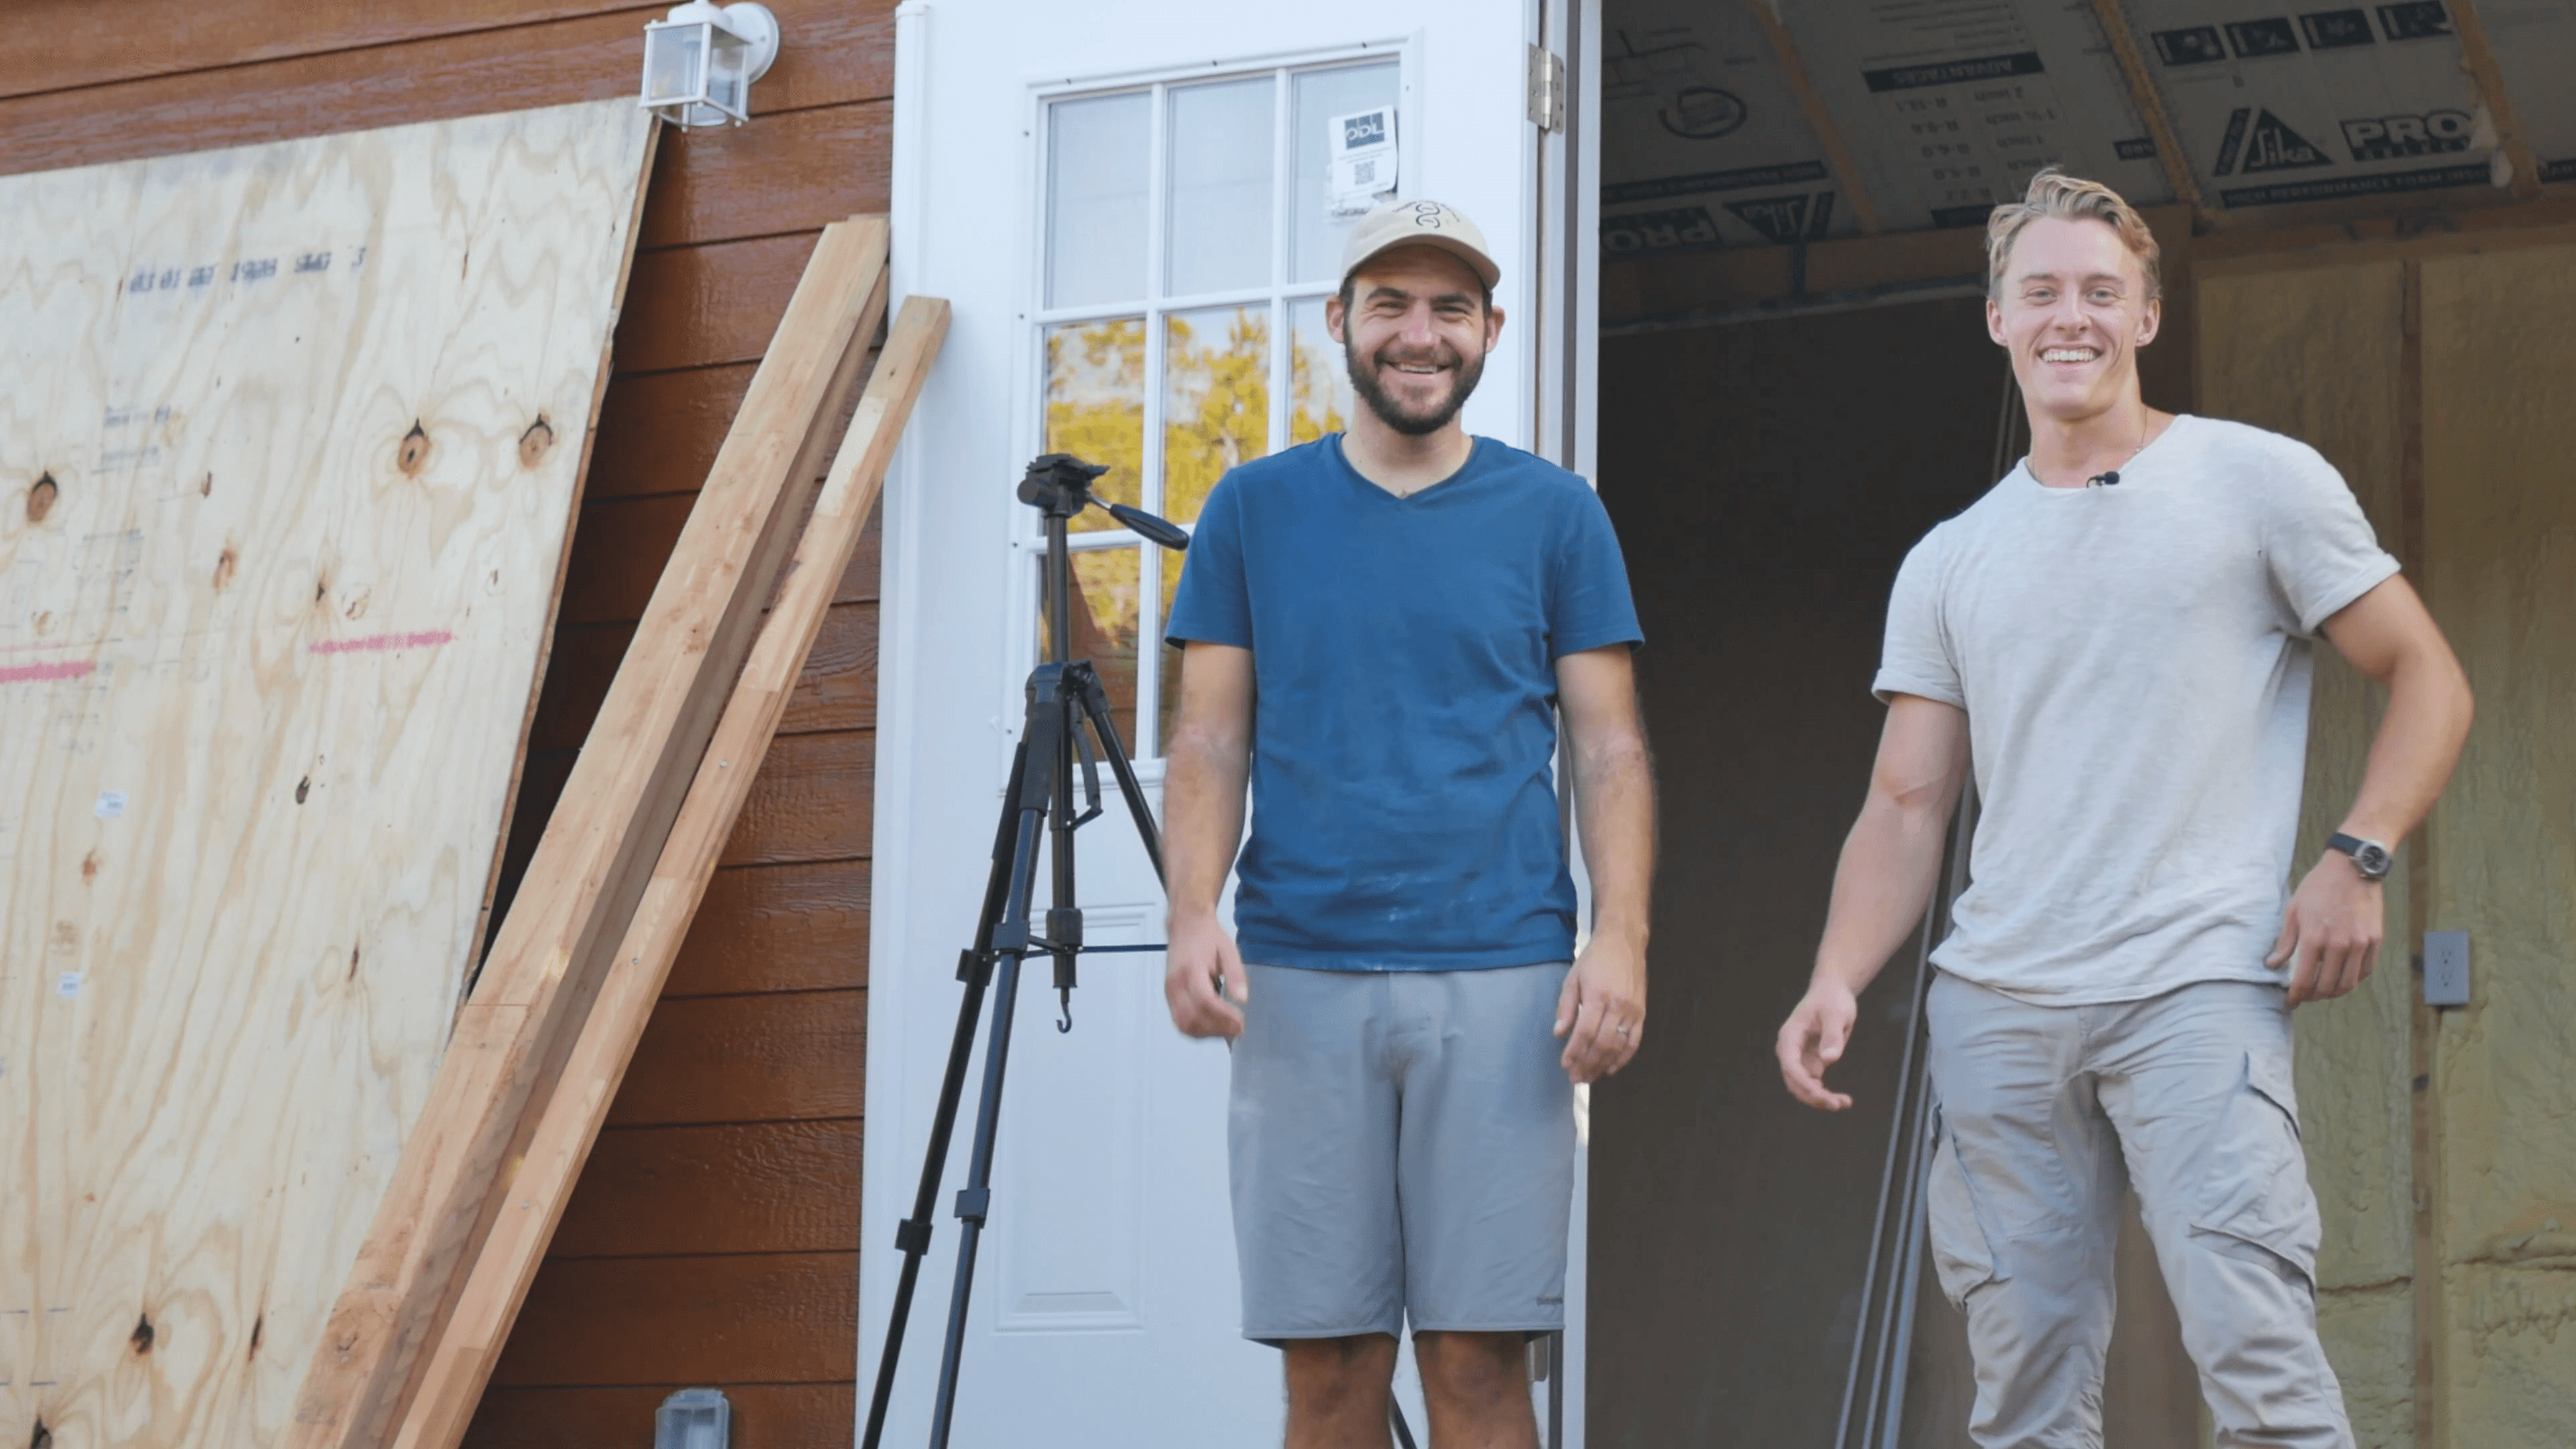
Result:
{"points": [[2358, 848]]}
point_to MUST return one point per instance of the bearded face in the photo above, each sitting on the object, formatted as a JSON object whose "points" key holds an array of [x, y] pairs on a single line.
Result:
{"points": [[1415, 330], [1414, 390]]}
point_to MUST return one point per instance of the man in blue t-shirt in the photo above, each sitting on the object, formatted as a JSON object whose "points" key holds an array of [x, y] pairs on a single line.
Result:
{"points": [[1382, 628]]}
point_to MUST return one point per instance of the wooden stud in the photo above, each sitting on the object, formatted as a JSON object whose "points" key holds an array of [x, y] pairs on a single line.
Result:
{"points": [[592, 866], [2489, 76], [2423, 1023], [1821, 120], [471, 1341], [2149, 101]]}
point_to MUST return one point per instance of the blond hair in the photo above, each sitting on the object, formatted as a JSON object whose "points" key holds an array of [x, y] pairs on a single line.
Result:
{"points": [[2053, 193]]}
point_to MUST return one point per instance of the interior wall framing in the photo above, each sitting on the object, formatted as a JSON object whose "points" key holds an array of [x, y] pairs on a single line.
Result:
{"points": [[713, 1238]]}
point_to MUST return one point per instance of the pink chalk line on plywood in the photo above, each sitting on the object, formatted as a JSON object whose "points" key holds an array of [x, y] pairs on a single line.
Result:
{"points": [[377, 643], [60, 669]]}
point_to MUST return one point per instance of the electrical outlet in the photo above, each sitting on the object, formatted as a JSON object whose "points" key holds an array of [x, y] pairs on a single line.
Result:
{"points": [[2446, 968]]}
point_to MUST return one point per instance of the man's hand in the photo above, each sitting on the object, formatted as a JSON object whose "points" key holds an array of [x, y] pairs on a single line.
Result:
{"points": [[1602, 1011], [2330, 933], [1813, 1039], [1204, 985]]}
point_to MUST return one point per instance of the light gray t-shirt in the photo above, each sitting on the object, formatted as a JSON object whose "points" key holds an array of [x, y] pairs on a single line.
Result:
{"points": [[2134, 660]]}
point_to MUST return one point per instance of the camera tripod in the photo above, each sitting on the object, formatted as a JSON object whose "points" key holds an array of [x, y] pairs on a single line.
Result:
{"points": [[1067, 710]]}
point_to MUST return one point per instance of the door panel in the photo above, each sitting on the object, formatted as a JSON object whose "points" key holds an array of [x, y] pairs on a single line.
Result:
{"points": [[1174, 272]]}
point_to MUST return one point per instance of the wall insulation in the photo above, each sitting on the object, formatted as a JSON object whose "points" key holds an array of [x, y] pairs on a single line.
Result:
{"points": [[2479, 1356]]}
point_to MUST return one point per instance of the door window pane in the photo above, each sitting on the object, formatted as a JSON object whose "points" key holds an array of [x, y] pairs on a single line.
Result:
{"points": [[1320, 399], [1104, 628], [1096, 183], [1220, 203], [1095, 407], [1315, 248], [1216, 400]]}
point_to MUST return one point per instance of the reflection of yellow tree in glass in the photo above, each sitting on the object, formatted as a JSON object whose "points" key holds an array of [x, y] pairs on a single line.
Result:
{"points": [[1314, 383], [1216, 403], [1095, 406], [1105, 626]]}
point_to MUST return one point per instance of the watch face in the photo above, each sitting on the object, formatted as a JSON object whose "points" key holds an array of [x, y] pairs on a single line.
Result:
{"points": [[2373, 859]]}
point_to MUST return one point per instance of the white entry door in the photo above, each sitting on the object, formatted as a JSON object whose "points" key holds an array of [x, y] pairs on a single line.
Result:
{"points": [[1131, 208]]}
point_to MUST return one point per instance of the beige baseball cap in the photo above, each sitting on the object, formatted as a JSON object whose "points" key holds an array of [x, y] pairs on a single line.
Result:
{"points": [[1419, 223]]}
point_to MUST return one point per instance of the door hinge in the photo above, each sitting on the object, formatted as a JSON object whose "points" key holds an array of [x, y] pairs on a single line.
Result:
{"points": [[1546, 89]]}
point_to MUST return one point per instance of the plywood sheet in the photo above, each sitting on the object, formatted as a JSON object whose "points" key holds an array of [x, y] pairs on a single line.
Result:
{"points": [[288, 460], [2500, 530], [2316, 354]]}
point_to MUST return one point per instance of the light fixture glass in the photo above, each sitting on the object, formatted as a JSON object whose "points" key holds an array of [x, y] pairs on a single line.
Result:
{"points": [[693, 1419], [700, 61]]}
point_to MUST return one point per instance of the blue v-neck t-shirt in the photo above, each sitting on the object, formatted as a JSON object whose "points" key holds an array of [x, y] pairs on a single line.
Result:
{"points": [[1404, 815]]}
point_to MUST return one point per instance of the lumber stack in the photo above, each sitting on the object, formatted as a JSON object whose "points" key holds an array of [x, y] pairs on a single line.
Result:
{"points": [[545, 1038]]}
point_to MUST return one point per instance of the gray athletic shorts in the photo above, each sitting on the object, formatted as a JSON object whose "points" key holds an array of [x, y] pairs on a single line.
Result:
{"points": [[1403, 1147]]}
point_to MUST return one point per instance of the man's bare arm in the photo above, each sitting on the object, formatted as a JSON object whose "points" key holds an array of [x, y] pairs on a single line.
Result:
{"points": [[1205, 766], [1890, 862], [2331, 931], [1614, 808]]}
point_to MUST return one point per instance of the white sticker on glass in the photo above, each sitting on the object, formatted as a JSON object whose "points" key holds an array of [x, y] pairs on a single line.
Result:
{"points": [[1363, 151]]}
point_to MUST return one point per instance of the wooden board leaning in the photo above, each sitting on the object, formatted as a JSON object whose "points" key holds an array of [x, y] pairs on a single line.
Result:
{"points": [[470, 1342], [592, 865], [289, 453]]}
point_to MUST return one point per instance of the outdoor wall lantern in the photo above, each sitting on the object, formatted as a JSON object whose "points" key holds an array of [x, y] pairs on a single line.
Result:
{"points": [[700, 61]]}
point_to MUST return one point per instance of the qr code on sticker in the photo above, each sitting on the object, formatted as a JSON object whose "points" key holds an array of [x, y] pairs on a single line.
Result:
{"points": [[1364, 173]]}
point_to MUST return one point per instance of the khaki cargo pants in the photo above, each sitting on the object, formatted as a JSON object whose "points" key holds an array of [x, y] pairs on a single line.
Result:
{"points": [[2046, 1112]]}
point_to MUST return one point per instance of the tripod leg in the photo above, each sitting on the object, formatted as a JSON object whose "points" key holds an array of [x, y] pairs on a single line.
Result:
{"points": [[974, 1200], [912, 1236], [1095, 703], [1044, 737]]}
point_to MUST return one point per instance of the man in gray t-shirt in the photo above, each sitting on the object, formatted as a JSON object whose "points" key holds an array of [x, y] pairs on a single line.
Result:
{"points": [[2118, 637]]}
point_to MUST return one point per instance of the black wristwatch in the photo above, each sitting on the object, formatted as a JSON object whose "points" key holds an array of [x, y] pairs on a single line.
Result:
{"points": [[2368, 856]]}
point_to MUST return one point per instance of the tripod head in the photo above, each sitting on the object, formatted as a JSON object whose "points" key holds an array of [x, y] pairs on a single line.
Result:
{"points": [[1058, 485]]}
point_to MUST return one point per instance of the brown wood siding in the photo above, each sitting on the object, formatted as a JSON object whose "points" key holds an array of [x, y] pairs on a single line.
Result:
{"points": [[714, 1237]]}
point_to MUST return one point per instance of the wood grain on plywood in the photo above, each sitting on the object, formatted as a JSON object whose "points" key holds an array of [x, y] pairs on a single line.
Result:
{"points": [[305, 421], [836, 53], [592, 866]]}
